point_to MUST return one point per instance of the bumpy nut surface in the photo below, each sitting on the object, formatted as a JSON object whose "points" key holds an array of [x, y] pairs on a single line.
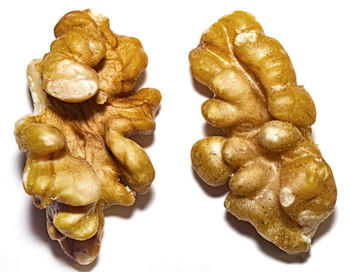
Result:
{"points": [[278, 179], [87, 57], [77, 153]]}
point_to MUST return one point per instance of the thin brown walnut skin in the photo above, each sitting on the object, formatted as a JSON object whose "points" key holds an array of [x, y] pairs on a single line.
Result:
{"points": [[74, 165], [278, 179]]}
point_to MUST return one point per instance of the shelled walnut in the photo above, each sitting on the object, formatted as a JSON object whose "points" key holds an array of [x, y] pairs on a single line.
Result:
{"points": [[278, 179], [75, 142]]}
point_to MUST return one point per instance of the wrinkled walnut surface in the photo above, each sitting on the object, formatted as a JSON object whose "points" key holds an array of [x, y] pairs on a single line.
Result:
{"points": [[278, 179], [75, 142]]}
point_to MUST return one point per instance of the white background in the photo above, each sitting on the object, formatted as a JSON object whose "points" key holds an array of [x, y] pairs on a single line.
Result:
{"points": [[181, 226]]}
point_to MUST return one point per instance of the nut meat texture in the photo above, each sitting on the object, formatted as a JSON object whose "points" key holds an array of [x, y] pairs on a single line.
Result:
{"points": [[278, 179], [75, 142]]}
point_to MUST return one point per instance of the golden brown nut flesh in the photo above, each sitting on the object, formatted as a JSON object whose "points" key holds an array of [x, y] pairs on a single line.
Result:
{"points": [[75, 142], [278, 179]]}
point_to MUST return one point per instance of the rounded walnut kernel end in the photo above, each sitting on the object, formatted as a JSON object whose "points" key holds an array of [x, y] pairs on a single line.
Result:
{"points": [[42, 139]]}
